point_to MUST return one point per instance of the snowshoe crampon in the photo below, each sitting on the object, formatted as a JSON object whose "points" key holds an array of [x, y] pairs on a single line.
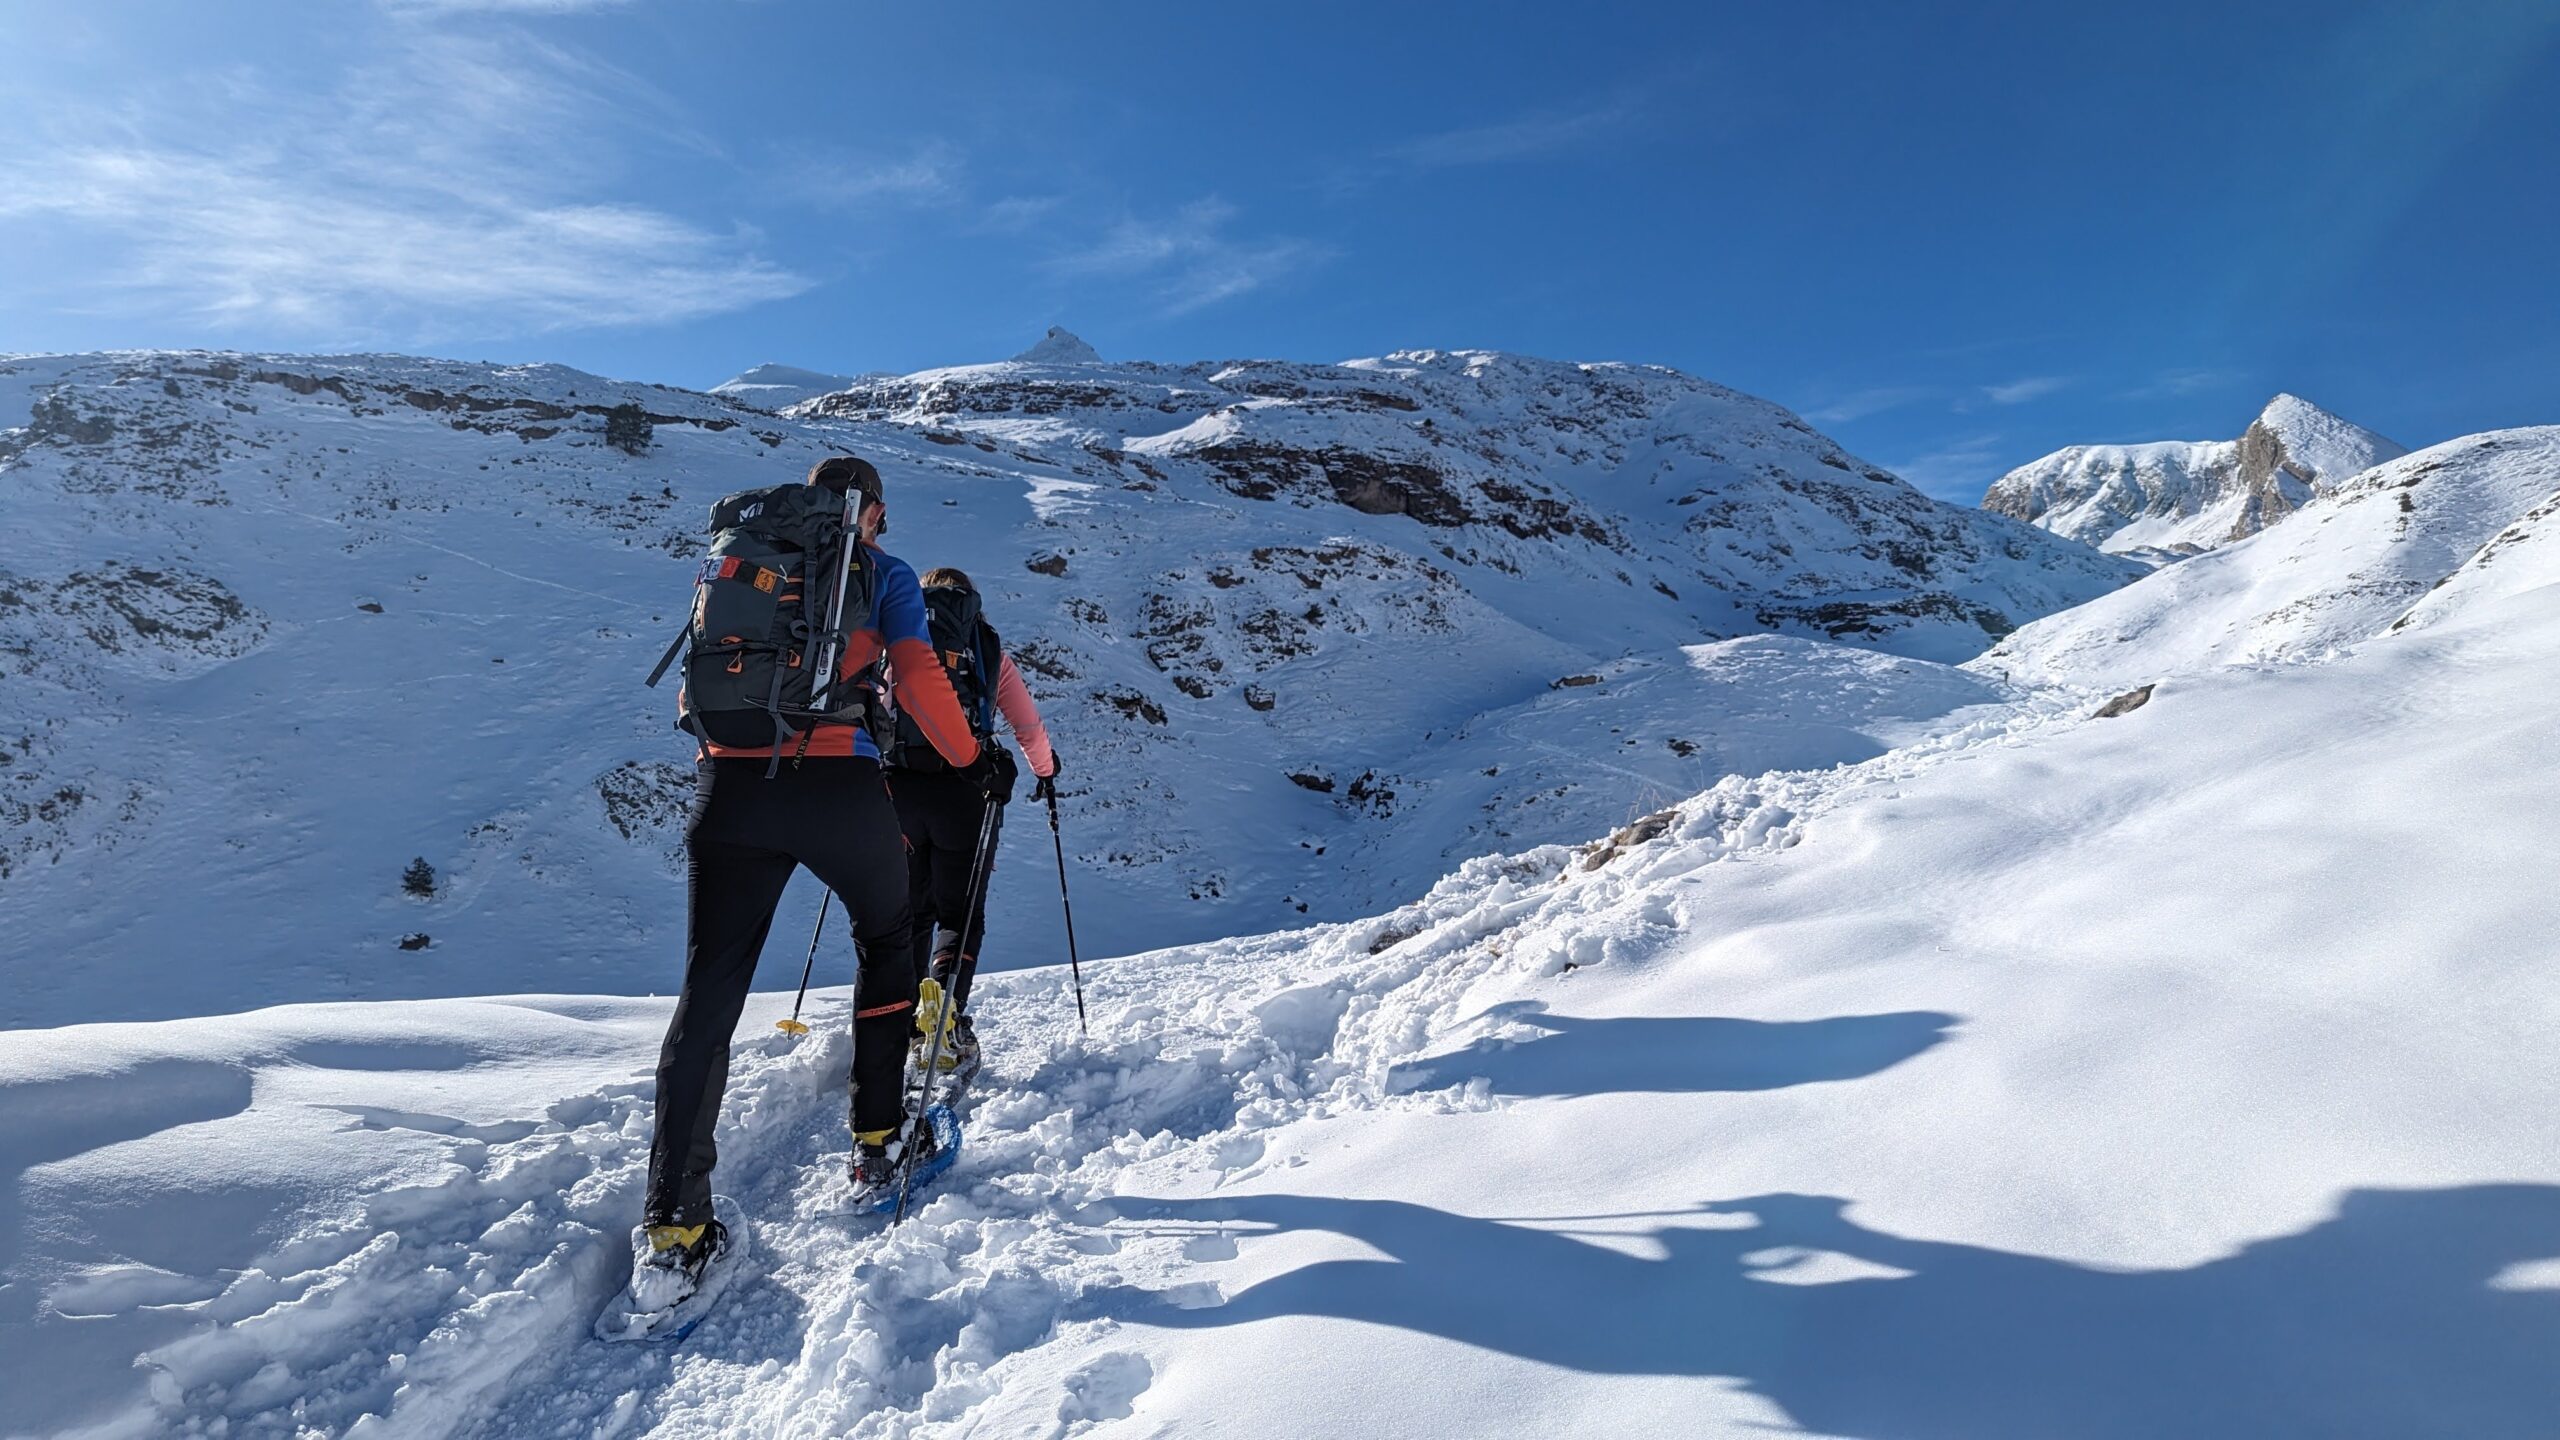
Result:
{"points": [[880, 1197], [670, 1291]]}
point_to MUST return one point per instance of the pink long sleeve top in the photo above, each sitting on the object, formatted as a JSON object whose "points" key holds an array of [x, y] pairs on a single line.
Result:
{"points": [[1023, 717]]}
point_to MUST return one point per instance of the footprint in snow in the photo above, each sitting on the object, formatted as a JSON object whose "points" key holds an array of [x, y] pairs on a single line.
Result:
{"points": [[1104, 1388]]}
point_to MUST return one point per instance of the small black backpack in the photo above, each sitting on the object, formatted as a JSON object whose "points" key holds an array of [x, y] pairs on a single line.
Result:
{"points": [[972, 656], [774, 605]]}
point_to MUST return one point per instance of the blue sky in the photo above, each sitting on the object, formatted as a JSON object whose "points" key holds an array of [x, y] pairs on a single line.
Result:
{"points": [[1955, 237]]}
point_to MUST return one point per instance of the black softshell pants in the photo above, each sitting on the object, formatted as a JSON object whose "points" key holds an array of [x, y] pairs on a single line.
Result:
{"points": [[940, 810], [746, 836]]}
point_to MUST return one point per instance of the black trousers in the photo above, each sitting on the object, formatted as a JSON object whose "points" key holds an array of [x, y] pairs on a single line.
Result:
{"points": [[940, 811], [747, 834]]}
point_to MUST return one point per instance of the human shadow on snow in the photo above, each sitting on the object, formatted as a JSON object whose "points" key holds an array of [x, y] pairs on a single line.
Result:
{"points": [[1677, 1054], [2381, 1321]]}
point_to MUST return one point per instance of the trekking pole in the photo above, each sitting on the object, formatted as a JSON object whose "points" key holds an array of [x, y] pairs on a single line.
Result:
{"points": [[793, 1026], [942, 1023], [1074, 968]]}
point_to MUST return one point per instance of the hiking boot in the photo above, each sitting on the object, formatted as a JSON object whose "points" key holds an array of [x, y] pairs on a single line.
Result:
{"points": [[668, 1262], [963, 1048], [877, 1163], [959, 1038]]}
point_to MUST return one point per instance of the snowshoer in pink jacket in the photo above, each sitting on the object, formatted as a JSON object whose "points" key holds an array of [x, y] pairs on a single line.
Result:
{"points": [[943, 810]]}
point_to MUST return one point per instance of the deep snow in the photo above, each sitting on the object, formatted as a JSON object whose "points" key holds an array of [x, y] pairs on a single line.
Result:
{"points": [[2030, 1075], [2182, 1073]]}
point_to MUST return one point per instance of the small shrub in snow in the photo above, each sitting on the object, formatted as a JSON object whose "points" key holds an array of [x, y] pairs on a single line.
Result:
{"points": [[627, 428]]}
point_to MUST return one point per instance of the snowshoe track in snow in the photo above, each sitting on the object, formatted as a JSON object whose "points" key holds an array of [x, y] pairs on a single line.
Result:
{"points": [[464, 1307]]}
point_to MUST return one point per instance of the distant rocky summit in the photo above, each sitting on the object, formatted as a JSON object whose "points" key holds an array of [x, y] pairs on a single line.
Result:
{"points": [[1060, 346], [2176, 498]]}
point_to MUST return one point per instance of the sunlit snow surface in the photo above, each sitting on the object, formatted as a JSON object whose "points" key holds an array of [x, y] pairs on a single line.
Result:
{"points": [[2182, 1073]]}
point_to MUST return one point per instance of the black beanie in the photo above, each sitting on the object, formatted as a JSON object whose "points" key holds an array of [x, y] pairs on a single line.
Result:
{"points": [[843, 472]]}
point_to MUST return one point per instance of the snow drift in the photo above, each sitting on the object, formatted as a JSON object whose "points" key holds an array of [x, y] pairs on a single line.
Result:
{"points": [[2114, 1078]]}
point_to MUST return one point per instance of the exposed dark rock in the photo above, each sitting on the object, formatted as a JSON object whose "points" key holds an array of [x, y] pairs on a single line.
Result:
{"points": [[1650, 828], [1131, 704], [2125, 704]]}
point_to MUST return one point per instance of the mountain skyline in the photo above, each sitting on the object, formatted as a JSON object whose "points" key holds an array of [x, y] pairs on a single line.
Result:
{"points": [[1876, 218]]}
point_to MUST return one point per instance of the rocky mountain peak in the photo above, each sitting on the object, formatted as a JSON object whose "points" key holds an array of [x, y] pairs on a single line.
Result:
{"points": [[1060, 346], [2174, 498]]}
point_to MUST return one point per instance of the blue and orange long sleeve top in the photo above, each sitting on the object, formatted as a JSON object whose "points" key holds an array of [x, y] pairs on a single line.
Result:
{"points": [[899, 627]]}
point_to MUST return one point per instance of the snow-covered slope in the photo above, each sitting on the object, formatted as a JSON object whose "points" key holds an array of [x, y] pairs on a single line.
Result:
{"points": [[2467, 516], [2179, 497], [776, 387], [2111, 1079], [275, 626]]}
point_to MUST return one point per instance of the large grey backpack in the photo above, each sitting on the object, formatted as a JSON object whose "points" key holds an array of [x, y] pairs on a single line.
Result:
{"points": [[775, 603]]}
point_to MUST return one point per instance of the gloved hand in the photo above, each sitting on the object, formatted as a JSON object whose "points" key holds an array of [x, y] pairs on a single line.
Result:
{"points": [[994, 773], [1047, 789]]}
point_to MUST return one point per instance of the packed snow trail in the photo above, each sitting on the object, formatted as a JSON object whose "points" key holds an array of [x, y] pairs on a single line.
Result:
{"points": [[2183, 1073]]}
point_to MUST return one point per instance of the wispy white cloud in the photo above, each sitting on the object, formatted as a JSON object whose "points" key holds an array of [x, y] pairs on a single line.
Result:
{"points": [[1959, 468], [928, 174], [2024, 389], [1189, 256], [1859, 404], [2173, 384], [1018, 212], [1524, 137], [516, 7], [454, 189], [1534, 135]]}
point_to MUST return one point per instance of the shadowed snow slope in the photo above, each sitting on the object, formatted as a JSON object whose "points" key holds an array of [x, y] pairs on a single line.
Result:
{"points": [[273, 627], [2178, 497], [2046, 1076]]}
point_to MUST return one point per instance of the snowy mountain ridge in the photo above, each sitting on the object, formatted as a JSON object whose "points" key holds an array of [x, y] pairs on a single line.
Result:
{"points": [[2413, 542], [1308, 635], [2176, 498], [778, 387]]}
